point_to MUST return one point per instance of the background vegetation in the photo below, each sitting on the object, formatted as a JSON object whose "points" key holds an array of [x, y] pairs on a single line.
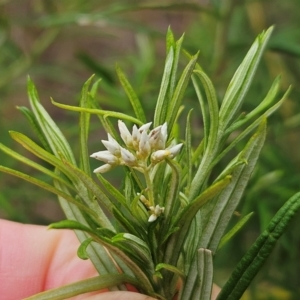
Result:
{"points": [[61, 43]]}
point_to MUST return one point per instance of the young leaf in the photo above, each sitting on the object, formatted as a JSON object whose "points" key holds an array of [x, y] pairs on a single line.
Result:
{"points": [[241, 81], [82, 249], [162, 100], [237, 227], [84, 123], [134, 100], [175, 101], [105, 113]]}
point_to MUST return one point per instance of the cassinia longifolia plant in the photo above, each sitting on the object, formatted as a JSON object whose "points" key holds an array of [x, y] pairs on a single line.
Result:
{"points": [[161, 231]]}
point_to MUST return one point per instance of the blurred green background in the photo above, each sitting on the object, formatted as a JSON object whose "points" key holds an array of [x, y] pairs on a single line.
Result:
{"points": [[61, 43]]}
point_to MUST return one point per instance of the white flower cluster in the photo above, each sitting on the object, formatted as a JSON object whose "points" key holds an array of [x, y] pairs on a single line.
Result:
{"points": [[144, 149], [140, 146]]}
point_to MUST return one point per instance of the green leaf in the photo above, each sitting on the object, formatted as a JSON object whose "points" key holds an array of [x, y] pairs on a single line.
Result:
{"points": [[88, 285], [241, 81], [177, 50], [82, 249], [266, 102], [105, 113], [145, 280], [35, 165], [84, 122], [162, 100], [217, 214], [52, 133], [251, 127], [232, 232], [47, 187], [213, 108], [70, 224], [211, 140], [188, 150], [171, 269], [186, 216], [135, 102], [36, 127], [175, 101], [253, 260], [137, 247], [103, 262], [96, 192], [200, 278]]}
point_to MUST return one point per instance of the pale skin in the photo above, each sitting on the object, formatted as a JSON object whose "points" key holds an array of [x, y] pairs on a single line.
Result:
{"points": [[34, 259]]}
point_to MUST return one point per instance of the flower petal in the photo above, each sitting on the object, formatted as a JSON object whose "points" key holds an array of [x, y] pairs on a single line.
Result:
{"points": [[128, 158], [103, 169], [125, 134], [106, 156]]}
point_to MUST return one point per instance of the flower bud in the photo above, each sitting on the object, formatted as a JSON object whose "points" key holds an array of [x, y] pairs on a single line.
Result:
{"points": [[125, 134], [112, 145], [103, 169], [106, 156], [128, 158]]}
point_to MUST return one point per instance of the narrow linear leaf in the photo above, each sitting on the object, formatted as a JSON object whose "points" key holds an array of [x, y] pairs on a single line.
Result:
{"points": [[217, 217], [171, 269], [241, 81], [35, 165], [96, 192], [70, 224], [94, 111], [205, 270], [188, 150], [186, 216], [29, 145], [82, 249], [213, 108], [98, 255], [251, 127], [89, 285], [177, 47], [36, 127], [181, 86], [47, 187], [138, 272], [52, 133], [84, 121], [232, 232], [162, 100], [253, 260], [266, 102], [134, 100]]}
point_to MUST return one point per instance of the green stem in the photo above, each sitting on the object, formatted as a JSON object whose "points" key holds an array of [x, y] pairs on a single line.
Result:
{"points": [[149, 187]]}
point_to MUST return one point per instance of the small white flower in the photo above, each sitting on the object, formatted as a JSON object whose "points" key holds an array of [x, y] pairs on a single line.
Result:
{"points": [[144, 145], [112, 145], [152, 218], [159, 155], [158, 137], [136, 135], [156, 212], [125, 134], [103, 169], [145, 127], [174, 150], [128, 158], [106, 156]]}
